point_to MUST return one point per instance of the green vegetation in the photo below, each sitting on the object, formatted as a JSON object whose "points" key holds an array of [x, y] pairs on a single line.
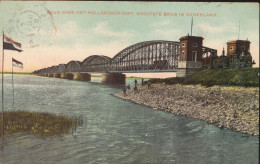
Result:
{"points": [[209, 77], [40, 124]]}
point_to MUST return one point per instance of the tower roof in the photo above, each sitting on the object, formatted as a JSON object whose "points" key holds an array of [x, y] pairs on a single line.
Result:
{"points": [[191, 37], [238, 41]]}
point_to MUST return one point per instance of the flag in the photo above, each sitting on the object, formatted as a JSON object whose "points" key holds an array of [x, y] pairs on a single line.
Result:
{"points": [[10, 44], [17, 63]]}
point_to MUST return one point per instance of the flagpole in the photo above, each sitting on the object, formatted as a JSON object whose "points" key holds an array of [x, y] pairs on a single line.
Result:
{"points": [[238, 29], [3, 89], [13, 81], [191, 25]]}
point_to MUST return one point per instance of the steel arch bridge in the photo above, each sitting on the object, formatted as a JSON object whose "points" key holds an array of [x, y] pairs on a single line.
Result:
{"points": [[148, 56]]}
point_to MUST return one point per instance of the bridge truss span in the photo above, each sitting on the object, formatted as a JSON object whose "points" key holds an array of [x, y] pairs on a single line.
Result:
{"points": [[206, 52], [96, 63], [147, 56]]}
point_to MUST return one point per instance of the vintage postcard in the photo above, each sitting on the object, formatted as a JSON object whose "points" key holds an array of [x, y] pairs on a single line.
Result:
{"points": [[129, 82]]}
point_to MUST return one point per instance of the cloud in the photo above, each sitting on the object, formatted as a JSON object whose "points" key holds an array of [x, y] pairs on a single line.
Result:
{"points": [[168, 34], [207, 28], [225, 29], [69, 29], [71, 33], [103, 28], [161, 23]]}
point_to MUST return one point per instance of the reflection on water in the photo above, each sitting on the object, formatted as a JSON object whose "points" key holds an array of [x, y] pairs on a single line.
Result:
{"points": [[115, 131]]}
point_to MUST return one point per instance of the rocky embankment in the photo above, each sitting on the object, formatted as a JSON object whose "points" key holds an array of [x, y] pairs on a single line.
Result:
{"points": [[235, 108]]}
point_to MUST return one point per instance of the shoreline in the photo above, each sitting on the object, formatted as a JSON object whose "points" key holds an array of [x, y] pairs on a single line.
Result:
{"points": [[232, 107]]}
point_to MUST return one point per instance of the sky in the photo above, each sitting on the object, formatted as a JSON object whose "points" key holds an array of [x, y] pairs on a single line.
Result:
{"points": [[76, 30]]}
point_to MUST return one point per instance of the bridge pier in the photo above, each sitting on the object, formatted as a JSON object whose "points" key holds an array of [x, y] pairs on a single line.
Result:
{"points": [[113, 78], [57, 75], [186, 68], [82, 76], [67, 76], [50, 75]]}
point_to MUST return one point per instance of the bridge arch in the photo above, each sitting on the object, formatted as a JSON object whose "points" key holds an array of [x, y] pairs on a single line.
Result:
{"points": [[44, 70], [157, 55], [73, 66], [48, 70], [96, 63], [61, 68], [54, 69]]}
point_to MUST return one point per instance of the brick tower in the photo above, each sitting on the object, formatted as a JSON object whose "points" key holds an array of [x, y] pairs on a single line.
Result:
{"points": [[190, 55], [238, 47], [191, 48]]}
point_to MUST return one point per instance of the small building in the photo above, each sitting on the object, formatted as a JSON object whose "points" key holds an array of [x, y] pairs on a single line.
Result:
{"points": [[191, 48]]}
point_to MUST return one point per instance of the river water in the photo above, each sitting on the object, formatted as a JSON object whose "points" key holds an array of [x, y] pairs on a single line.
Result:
{"points": [[114, 130]]}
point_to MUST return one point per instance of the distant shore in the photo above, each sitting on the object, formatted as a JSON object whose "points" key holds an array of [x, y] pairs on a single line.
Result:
{"points": [[17, 73], [235, 108]]}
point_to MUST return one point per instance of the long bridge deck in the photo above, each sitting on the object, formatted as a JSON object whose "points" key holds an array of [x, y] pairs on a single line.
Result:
{"points": [[143, 57]]}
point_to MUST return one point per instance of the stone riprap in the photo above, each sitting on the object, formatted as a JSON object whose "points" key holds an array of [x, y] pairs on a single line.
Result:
{"points": [[235, 108]]}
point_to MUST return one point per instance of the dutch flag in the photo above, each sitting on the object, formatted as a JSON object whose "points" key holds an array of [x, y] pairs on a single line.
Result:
{"points": [[10, 44], [17, 63]]}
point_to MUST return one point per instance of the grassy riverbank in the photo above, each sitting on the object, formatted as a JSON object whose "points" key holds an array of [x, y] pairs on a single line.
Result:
{"points": [[40, 124], [209, 77]]}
